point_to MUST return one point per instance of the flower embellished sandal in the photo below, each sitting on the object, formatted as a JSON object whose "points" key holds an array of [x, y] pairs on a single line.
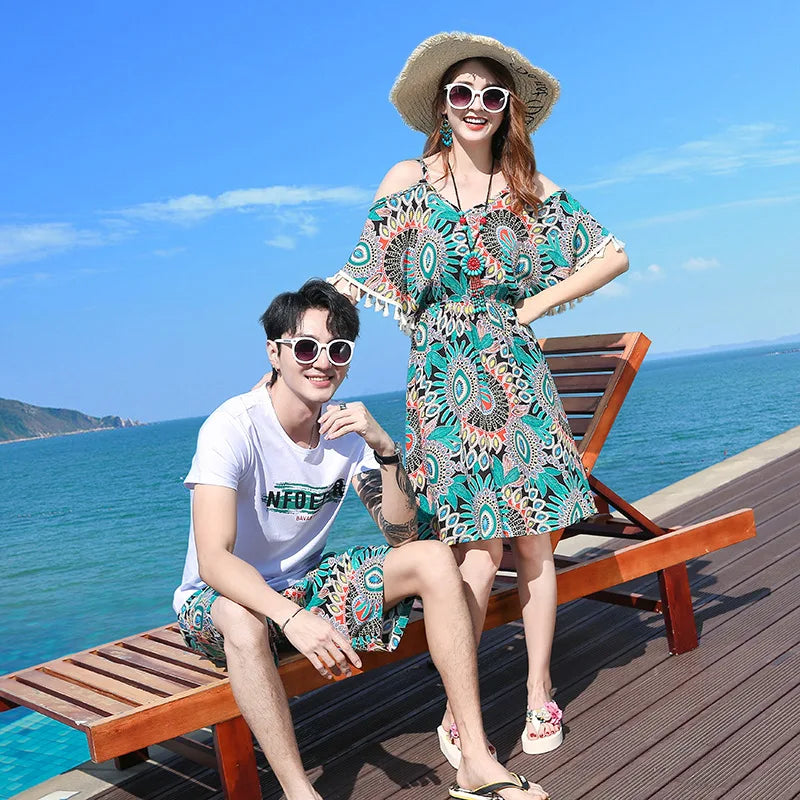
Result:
{"points": [[448, 744], [549, 713]]}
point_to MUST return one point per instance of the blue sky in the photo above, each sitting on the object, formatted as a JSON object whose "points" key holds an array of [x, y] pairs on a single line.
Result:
{"points": [[168, 167]]}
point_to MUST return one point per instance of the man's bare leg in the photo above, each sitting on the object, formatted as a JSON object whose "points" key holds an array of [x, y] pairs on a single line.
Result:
{"points": [[428, 569], [259, 693]]}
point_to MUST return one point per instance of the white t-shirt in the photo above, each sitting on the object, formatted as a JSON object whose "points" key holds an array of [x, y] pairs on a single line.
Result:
{"points": [[287, 495]]}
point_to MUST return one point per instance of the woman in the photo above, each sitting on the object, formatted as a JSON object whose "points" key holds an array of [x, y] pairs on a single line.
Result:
{"points": [[468, 246]]}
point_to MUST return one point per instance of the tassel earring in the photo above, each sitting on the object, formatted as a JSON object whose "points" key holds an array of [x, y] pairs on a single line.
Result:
{"points": [[446, 132]]}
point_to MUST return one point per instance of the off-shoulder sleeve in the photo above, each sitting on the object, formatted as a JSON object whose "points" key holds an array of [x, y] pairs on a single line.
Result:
{"points": [[379, 265], [565, 237]]}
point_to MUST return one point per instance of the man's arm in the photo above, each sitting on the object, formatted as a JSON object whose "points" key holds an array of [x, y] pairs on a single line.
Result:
{"points": [[214, 518], [388, 491]]}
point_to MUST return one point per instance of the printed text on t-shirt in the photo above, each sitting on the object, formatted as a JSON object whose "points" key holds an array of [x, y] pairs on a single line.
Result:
{"points": [[290, 498]]}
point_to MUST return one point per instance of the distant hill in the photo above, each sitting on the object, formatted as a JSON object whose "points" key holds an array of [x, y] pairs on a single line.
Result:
{"points": [[23, 421]]}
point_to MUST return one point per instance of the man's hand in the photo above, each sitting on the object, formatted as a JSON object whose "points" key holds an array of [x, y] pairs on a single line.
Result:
{"points": [[353, 417], [323, 646]]}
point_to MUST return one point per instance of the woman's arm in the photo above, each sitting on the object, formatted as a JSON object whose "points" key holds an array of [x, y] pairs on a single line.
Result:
{"points": [[598, 272]]}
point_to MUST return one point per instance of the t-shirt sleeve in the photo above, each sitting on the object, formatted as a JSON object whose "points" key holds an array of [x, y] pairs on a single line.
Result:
{"points": [[378, 266], [565, 237], [222, 453]]}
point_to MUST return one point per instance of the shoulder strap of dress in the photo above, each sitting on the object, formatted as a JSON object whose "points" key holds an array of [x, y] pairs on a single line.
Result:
{"points": [[424, 167]]}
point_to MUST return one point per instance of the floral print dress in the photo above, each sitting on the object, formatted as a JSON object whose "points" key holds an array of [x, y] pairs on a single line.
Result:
{"points": [[488, 446]]}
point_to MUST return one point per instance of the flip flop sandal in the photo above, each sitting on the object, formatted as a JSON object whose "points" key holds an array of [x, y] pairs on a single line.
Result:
{"points": [[490, 790], [534, 744], [450, 749]]}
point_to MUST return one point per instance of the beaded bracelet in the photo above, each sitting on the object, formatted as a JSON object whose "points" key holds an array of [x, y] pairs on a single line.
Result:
{"points": [[289, 619]]}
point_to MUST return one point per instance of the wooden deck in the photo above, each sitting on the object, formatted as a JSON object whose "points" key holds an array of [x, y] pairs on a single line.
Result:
{"points": [[720, 721]]}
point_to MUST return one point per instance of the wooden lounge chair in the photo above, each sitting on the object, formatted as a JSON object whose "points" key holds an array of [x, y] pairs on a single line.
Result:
{"points": [[151, 688]]}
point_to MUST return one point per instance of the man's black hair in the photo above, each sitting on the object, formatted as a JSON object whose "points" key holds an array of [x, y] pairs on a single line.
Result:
{"points": [[284, 312]]}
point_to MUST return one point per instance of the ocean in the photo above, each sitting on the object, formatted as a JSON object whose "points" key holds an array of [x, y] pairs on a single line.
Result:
{"points": [[95, 526]]}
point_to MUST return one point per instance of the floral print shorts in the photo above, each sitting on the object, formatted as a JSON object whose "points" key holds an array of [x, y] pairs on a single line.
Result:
{"points": [[346, 589]]}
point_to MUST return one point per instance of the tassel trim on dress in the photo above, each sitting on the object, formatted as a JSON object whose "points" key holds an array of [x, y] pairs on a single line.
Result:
{"points": [[619, 246], [377, 301]]}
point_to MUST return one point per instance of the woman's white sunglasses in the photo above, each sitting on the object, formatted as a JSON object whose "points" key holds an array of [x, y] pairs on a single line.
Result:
{"points": [[306, 350], [461, 95]]}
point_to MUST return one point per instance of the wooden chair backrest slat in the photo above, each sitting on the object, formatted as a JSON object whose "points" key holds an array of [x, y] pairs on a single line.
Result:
{"points": [[593, 374]]}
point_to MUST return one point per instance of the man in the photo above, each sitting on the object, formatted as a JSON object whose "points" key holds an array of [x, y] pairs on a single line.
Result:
{"points": [[269, 475]]}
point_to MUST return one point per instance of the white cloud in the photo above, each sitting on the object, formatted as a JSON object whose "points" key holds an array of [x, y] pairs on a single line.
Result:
{"points": [[737, 147], [614, 289], [302, 222], [32, 242], [195, 207], [652, 273], [168, 252], [698, 264], [282, 241]]}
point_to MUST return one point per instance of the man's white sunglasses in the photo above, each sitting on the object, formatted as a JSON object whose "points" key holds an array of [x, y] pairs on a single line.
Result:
{"points": [[306, 350]]}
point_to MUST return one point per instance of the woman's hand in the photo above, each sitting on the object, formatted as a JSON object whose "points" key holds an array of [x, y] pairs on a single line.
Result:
{"points": [[346, 288], [530, 309], [329, 651], [353, 417]]}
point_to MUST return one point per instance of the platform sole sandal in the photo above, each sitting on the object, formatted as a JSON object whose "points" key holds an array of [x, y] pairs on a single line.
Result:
{"points": [[550, 714]]}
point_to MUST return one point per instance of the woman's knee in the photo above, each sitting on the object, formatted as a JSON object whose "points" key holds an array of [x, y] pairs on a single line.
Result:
{"points": [[479, 563], [533, 548]]}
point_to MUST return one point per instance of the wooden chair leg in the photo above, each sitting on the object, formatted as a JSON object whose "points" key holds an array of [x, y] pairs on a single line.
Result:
{"points": [[236, 760], [676, 599], [129, 760]]}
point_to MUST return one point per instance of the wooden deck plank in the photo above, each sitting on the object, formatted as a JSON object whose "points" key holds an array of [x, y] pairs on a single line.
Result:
{"points": [[771, 779], [668, 755], [714, 773]]}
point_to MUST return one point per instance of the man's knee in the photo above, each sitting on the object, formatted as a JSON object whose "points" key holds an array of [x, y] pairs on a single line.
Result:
{"points": [[435, 564], [242, 629]]}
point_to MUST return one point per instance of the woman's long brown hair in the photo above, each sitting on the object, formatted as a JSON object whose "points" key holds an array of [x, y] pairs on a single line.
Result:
{"points": [[511, 145]]}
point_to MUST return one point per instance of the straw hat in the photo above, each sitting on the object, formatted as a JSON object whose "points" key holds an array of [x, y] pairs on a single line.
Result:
{"points": [[414, 90]]}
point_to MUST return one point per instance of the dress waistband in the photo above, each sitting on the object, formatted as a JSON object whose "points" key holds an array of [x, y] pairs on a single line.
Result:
{"points": [[455, 305]]}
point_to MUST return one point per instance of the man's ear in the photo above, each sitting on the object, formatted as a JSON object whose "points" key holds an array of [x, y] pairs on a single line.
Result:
{"points": [[272, 354]]}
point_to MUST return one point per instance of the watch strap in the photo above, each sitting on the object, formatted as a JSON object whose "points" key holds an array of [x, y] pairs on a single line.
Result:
{"points": [[394, 458]]}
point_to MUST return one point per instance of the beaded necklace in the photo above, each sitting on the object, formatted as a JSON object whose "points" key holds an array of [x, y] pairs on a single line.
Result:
{"points": [[472, 263]]}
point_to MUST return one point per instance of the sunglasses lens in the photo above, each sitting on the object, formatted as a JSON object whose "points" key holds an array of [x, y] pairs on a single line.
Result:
{"points": [[340, 351], [306, 350], [460, 96], [494, 99]]}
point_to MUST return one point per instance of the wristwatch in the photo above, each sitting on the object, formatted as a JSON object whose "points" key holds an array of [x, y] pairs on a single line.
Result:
{"points": [[394, 458]]}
